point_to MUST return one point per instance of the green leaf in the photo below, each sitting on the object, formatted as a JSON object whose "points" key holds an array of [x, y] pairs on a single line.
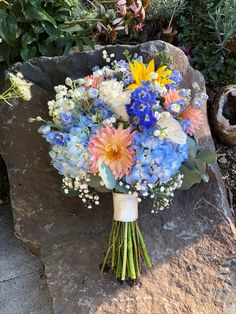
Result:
{"points": [[72, 29], [95, 183], [27, 39], [9, 29], [189, 163], [67, 48], [191, 177], [192, 147], [200, 165], [80, 45], [207, 155], [28, 53], [107, 176], [121, 189], [47, 50], [32, 13], [89, 42], [205, 177]]}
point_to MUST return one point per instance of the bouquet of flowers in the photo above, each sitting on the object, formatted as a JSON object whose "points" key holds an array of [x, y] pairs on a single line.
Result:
{"points": [[126, 128]]}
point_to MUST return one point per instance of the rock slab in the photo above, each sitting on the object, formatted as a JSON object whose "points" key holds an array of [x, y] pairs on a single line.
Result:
{"points": [[192, 244]]}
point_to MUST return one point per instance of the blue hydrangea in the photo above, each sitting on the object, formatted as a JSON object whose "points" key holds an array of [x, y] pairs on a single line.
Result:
{"points": [[156, 159]]}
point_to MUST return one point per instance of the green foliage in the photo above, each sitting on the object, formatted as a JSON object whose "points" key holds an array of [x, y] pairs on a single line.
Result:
{"points": [[207, 27], [107, 176], [41, 27], [164, 58], [194, 168], [95, 183], [165, 8]]}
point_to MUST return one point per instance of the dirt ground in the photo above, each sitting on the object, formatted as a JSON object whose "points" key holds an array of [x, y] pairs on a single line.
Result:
{"points": [[227, 163]]}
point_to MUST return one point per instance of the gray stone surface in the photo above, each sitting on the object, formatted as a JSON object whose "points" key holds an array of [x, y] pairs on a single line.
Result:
{"points": [[23, 287], [189, 243]]}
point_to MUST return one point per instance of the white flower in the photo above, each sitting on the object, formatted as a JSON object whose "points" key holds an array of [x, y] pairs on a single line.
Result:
{"points": [[22, 88], [175, 108], [113, 94], [174, 130]]}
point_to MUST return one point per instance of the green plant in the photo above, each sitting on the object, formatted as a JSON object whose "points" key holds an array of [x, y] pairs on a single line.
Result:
{"points": [[222, 24], [165, 8], [41, 27], [194, 168], [207, 27]]}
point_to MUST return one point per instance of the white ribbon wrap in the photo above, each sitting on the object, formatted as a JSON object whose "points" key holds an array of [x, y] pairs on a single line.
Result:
{"points": [[125, 207]]}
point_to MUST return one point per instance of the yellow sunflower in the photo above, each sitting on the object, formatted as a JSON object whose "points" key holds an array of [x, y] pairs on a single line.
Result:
{"points": [[142, 73]]}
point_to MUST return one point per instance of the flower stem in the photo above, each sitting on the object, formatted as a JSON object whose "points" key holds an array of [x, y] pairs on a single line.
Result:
{"points": [[125, 252], [136, 257], [113, 245], [143, 247], [130, 253], [108, 250]]}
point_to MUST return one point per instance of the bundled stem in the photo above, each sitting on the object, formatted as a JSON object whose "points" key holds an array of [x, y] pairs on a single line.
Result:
{"points": [[127, 250]]}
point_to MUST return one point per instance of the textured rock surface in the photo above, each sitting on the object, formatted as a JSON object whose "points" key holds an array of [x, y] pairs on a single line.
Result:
{"points": [[191, 245]]}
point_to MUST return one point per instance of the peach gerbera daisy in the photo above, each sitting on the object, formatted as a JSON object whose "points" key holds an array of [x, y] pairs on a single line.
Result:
{"points": [[170, 97], [113, 147], [195, 117]]}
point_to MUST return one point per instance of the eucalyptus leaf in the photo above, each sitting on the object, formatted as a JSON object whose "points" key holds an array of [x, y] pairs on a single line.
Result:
{"points": [[121, 189], [95, 183], [200, 165], [207, 155], [192, 147], [190, 178], [107, 176], [205, 177]]}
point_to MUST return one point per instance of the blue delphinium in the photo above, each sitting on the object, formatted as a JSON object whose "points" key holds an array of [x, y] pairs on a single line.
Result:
{"points": [[143, 105], [185, 125], [176, 77]]}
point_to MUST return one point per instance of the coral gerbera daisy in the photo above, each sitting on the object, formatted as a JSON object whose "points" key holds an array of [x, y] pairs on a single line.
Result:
{"points": [[195, 117], [170, 97], [142, 73], [113, 147]]}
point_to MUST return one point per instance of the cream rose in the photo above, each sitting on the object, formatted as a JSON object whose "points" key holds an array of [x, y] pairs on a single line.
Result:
{"points": [[112, 92], [173, 129]]}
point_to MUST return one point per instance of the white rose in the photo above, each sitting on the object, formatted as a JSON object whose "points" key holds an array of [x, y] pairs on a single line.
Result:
{"points": [[114, 96], [174, 130]]}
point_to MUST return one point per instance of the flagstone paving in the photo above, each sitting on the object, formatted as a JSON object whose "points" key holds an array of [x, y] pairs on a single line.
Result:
{"points": [[23, 287]]}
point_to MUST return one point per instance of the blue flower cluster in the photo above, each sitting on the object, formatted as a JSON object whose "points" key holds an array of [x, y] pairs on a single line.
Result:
{"points": [[176, 77], [143, 105], [69, 149], [156, 159]]}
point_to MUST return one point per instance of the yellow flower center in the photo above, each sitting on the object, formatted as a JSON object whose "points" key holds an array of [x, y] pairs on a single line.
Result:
{"points": [[113, 152]]}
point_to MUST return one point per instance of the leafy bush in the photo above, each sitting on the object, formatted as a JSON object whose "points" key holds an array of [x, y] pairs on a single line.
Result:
{"points": [[207, 28], [30, 28], [165, 8]]}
